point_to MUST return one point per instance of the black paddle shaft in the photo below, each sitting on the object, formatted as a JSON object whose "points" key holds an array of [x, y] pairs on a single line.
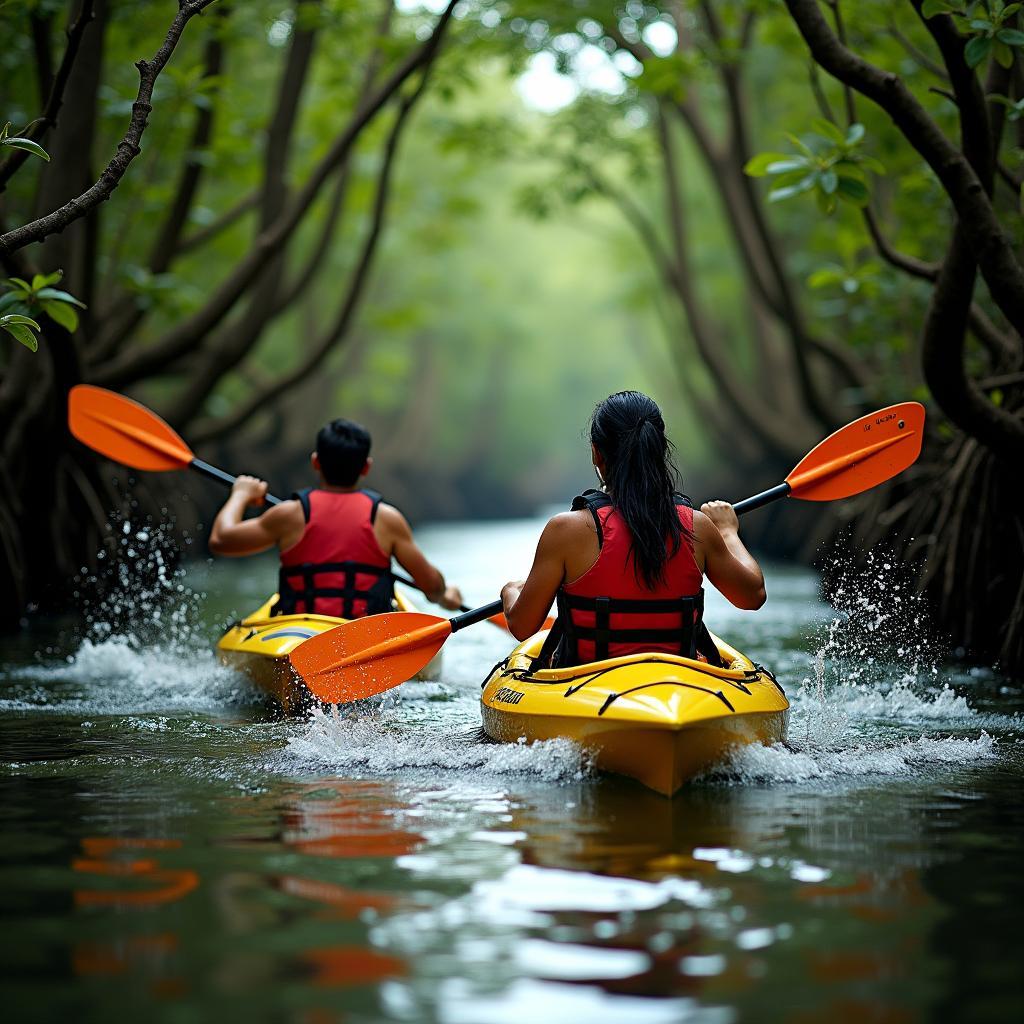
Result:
{"points": [[762, 499]]}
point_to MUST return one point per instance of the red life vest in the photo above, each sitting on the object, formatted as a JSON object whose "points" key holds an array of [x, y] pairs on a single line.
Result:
{"points": [[336, 567], [609, 613]]}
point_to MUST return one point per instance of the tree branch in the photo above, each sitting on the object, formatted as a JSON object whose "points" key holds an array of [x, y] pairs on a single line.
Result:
{"points": [[165, 246], [185, 336], [55, 93], [982, 227], [127, 149], [220, 223], [211, 429], [918, 55]]}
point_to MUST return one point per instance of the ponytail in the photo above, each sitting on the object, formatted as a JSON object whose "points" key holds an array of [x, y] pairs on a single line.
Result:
{"points": [[628, 430]]}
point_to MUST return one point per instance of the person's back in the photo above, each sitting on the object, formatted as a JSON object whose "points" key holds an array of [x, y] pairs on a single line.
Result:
{"points": [[337, 567], [336, 540], [609, 612], [636, 548]]}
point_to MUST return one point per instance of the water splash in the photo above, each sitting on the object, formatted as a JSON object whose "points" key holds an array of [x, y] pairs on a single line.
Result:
{"points": [[905, 757], [144, 646], [876, 658], [366, 742]]}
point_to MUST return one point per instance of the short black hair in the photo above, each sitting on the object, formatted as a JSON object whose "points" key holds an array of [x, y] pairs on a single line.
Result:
{"points": [[342, 448]]}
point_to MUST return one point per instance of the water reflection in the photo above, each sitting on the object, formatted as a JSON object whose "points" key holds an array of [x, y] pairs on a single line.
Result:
{"points": [[114, 857]]}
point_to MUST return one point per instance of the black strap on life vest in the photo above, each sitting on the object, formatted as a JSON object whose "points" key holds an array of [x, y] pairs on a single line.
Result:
{"points": [[592, 500], [379, 596], [690, 610], [302, 497], [691, 636]]}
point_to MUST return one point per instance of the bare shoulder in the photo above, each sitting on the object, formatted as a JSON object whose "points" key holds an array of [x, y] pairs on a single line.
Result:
{"points": [[569, 526], [286, 512], [703, 528], [392, 520]]}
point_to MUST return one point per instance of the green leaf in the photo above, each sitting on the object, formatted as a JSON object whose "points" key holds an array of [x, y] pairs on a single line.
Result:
{"points": [[9, 299], [38, 281], [829, 182], [18, 318], [22, 334], [19, 282], [793, 163], [853, 191], [980, 24], [789, 178], [824, 277], [827, 129], [849, 169], [757, 166], [932, 7], [977, 50], [3, 131], [1009, 10], [1010, 36], [1003, 54], [778, 194], [28, 145], [61, 313], [59, 296], [854, 134], [800, 145], [870, 163]]}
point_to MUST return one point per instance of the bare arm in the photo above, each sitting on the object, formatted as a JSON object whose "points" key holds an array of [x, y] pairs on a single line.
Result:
{"points": [[727, 563], [234, 535], [527, 602], [427, 577]]}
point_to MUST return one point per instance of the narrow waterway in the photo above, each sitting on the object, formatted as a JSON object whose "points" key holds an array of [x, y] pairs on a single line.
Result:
{"points": [[169, 848]]}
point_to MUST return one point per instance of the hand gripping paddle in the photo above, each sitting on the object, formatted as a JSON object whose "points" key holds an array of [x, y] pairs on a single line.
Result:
{"points": [[127, 432], [373, 654]]}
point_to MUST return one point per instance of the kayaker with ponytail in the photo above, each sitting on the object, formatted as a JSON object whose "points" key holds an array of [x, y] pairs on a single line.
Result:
{"points": [[626, 564], [336, 540]]}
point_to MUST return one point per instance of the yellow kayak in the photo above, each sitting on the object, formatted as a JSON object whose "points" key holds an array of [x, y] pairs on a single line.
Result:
{"points": [[658, 718], [259, 645]]}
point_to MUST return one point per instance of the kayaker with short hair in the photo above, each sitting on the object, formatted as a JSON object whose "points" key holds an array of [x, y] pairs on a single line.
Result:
{"points": [[626, 564], [336, 540]]}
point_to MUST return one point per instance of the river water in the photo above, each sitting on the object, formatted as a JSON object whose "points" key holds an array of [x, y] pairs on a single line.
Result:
{"points": [[169, 848]]}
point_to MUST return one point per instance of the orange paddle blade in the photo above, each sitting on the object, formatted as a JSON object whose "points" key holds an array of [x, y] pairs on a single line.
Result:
{"points": [[368, 655], [861, 455], [124, 431]]}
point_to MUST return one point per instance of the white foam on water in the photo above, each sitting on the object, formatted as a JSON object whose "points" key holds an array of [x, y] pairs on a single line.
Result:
{"points": [[907, 757], [118, 676], [146, 647], [370, 744]]}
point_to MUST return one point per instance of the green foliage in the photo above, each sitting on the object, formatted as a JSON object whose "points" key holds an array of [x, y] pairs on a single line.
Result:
{"points": [[30, 299], [988, 26], [20, 328], [18, 142], [831, 165]]}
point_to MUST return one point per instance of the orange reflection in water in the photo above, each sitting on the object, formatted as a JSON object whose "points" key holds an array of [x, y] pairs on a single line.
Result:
{"points": [[105, 856], [343, 903], [345, 966], [352, 823]]}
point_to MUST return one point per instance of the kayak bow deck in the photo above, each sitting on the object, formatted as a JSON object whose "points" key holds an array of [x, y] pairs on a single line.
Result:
{"points": [[657, 718], [260, 644]]}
